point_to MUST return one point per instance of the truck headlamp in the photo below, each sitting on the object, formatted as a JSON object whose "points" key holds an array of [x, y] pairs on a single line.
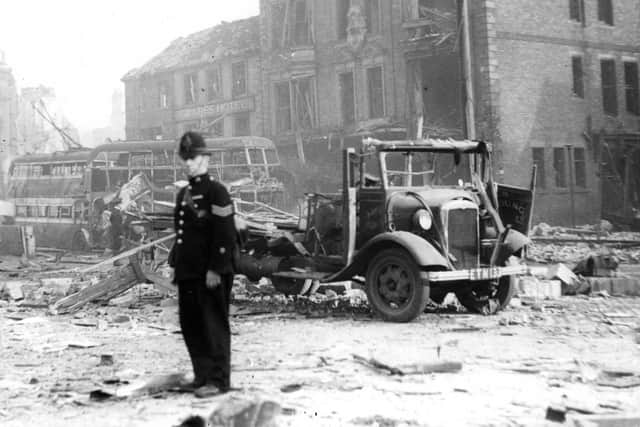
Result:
{"points": [[422, 219]]}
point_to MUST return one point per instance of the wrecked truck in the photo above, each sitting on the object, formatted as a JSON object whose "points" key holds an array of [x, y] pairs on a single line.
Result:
{"points": [[415, 220]]}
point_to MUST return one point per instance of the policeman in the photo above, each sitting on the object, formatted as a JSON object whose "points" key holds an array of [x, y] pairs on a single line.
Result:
{"points": [[203, 262]]}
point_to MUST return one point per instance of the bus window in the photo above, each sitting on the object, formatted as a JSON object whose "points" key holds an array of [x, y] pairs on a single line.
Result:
{"points": [[32, 212], [121, 160], [21, 211], [272, 156], [36, 171], [163, 158], [237, 157], [255, 156], [43, 211], [216, 158], [141, 160], [65, 211]]}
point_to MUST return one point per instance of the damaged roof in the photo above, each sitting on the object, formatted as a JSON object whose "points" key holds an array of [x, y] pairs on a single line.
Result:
{"points": [[225, 39]]}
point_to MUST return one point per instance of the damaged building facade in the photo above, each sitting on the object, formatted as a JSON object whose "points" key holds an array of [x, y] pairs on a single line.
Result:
{"points": [[545, 82], [8, 116], [338, 71], [208, 81]]}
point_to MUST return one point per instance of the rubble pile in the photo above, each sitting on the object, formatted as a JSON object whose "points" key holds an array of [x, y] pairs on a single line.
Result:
{"points": [[262, 298], [571, 245]]}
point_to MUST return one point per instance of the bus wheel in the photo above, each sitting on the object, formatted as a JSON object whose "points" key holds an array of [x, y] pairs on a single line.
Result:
{"points": [[394, 288], [79, 242]]}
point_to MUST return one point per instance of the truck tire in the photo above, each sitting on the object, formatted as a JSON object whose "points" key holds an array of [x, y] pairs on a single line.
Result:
{"points": [[394, 288], [478, 299]]}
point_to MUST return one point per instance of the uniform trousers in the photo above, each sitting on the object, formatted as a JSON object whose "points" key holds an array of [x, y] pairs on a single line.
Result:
{"points": [[204, 320]]}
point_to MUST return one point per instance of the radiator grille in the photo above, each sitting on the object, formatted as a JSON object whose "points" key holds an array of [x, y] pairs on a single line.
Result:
{"points": [[462, 234]]}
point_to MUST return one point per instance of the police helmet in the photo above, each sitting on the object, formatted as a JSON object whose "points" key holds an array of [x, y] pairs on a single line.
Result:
{"points": [[191, 145]]}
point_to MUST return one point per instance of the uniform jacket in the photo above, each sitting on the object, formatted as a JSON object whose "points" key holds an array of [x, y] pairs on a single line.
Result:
{"points": [[205, 230]]}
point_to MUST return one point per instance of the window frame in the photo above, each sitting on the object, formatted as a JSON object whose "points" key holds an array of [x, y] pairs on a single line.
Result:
{"points": [[577, 76], [577, 6], [243, 115], [610, 88], [303, 24], [342, 92], [631, 87], [370, 95], [191, 88], [342, 18], [606, 12], [560, 168], [582, 170], [541, 178], [219, 94], [369, 14], [235, 91]]}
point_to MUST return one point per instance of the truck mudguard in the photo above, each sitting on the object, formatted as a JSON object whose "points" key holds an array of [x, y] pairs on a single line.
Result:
{"points": [[423, 252]]}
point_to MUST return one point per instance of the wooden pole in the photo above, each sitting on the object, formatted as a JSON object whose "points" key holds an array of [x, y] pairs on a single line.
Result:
{"points": [[468, 71]]}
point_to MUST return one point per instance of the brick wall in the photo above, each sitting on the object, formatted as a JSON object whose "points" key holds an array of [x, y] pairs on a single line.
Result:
{"points": [[524, 90]]}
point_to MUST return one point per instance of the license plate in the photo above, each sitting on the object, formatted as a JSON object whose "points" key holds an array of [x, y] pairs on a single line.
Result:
{"points": [[485, 273]]}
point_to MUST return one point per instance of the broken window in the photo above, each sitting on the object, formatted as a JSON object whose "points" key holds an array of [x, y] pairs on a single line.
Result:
{"points": [[190, 88], [295, 105], [578, 77], [605, 11], [239, 75], [277, 25], [372, 14], [347, 98], [631, 87], [283, 107], [163, 95], [376, 92], [579, 167], [537, 155], [214, 84], [342, 8], [242, 124], [301, 35], [576, 11], [559, 167], [609, 89], [418, 9], [304, 106]]}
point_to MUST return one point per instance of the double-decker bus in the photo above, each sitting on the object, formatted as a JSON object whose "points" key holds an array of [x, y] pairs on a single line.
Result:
{"points": [[62, 195]]}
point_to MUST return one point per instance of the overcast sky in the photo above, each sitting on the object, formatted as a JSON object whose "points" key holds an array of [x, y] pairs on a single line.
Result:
{"points": [[83, 47]]}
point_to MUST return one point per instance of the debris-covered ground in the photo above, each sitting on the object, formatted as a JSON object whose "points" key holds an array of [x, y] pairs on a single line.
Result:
{"points": [[323, 360], [570, 245]]}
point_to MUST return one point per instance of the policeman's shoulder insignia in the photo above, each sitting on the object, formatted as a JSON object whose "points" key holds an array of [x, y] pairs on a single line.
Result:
{"points": [[197, 197], [222, 210]]}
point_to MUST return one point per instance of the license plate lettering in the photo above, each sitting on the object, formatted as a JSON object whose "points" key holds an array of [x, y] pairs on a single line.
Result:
{"points": [[479, 274]]}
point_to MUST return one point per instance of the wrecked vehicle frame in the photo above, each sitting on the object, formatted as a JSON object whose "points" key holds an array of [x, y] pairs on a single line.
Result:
{"points": [[415, 219]]}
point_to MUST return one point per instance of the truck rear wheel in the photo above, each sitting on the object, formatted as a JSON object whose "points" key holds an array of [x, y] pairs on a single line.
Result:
{"points": [[394, 288]]}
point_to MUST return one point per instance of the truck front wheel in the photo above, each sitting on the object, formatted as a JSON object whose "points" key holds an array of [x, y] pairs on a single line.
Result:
{"points": [[394, 288], [488, 298]]}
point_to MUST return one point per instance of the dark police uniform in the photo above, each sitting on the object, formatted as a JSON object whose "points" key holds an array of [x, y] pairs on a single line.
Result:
{"points": [[205, 240]]}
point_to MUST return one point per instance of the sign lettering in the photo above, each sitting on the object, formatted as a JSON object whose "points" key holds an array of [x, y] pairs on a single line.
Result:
{"points": [[244, 104]]}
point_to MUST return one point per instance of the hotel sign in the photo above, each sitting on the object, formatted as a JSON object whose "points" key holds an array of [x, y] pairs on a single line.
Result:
{"points": [[217, 109]]}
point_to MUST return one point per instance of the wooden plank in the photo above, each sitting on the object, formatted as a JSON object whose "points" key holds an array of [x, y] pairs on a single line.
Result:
{"points": [[127, 254], [113, 285]]}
